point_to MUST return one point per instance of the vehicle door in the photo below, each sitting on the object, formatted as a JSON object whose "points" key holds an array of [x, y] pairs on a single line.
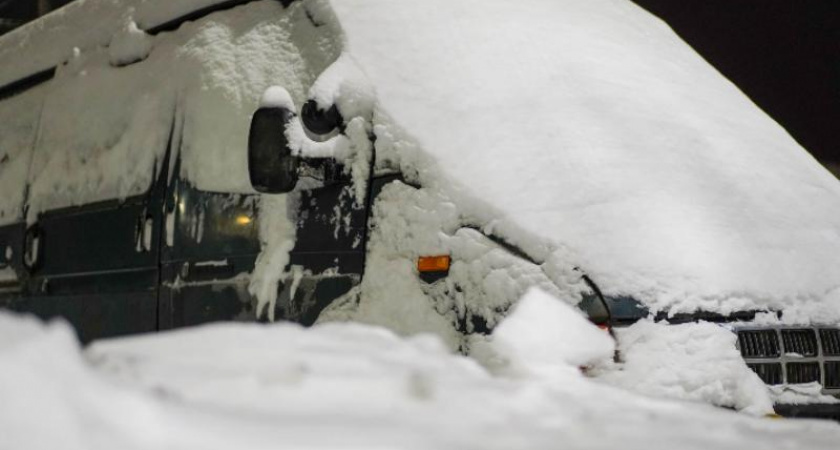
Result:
{"points": [[211, 244], [20, 110], [330, 206], [95, 191], [328, 258]]}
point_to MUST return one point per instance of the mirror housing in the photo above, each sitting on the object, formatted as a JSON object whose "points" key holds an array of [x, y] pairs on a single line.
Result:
{"points": [[319, 121], [271, 166]]}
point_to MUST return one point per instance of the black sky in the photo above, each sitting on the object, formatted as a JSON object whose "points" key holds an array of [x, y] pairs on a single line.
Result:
{"points": [[784, 54]]}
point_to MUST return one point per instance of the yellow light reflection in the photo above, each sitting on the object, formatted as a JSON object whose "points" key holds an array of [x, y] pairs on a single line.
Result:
{"points": [[243, 220]]}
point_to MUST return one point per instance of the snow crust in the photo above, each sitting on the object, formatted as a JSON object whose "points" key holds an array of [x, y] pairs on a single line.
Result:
{"points": [[483, 283], [84, 24], [7, 274], [277, 97], [801, 394], [130, 45], [19, 116], [589, 130], [230, 60], [94, 146], [332, 386], [694, 361], [544, 335], [199, 85]]}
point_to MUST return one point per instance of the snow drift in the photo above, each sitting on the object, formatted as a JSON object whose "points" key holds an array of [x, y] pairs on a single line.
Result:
{"points": [[336, 386]]}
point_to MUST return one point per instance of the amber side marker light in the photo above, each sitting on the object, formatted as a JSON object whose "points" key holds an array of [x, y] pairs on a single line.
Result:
{"points": [[440, 263]]}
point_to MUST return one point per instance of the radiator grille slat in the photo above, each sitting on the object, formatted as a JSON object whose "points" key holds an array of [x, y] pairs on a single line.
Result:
{"points": [[769, 373], [830, 341], [832, 375], [793, 355], [759, 343], [801, 373], [802, 342]]}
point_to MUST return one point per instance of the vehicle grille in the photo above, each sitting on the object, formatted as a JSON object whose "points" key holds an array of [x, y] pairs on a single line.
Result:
{"points": [[802, 342], [759, 343], [830, 342], [832, 375], [793, 355], [769, 373], [801, 373]]}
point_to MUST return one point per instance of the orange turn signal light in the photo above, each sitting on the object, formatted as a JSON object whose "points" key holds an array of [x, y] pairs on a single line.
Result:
{"points": [[433, 263]]}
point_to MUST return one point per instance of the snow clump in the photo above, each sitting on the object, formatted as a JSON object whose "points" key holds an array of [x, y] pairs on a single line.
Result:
{"points": [[545, 336], [692, 361], [129, 45]]}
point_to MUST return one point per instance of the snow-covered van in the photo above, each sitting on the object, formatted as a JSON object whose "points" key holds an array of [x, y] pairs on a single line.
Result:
{"points": [[418, 165]]}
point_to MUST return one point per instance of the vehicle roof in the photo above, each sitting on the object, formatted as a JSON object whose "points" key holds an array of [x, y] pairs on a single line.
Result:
{"points": [[44, 43]]}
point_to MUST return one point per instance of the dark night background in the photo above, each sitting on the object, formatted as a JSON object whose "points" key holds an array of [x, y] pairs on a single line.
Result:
{"points": [[784, 54]]}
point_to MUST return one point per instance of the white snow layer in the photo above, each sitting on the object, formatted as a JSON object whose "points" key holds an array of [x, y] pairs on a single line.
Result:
{"points": [[693, 361], [130, 45], [7, 274], [119, 94], [547, 337], [19, 116], [85, 24], [583, 131], [332, 386], [590, 128]]}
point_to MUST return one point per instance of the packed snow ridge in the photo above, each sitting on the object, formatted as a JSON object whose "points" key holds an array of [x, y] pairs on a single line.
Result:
{"points": [[349, 386]]}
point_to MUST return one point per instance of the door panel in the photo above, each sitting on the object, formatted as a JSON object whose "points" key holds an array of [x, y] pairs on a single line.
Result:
{"points": [[330, 242], [95, 237], [11, 264], [330, 231], [215, 243], [97, 267], [212, 243]]}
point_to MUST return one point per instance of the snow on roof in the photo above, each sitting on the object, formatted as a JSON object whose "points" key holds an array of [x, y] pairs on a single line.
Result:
{"points": [[85, 24], [589, 127]]}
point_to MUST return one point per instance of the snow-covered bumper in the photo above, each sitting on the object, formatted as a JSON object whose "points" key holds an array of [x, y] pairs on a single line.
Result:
{"points": [[816, 411], [789, 357]]}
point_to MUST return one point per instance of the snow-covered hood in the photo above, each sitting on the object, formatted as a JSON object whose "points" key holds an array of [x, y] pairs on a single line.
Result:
{"points": [[587, 129]]}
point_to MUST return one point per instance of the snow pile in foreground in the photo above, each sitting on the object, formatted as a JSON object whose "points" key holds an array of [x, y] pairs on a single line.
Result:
{"points": [[340, 386], [547, 337], [692, 361]]}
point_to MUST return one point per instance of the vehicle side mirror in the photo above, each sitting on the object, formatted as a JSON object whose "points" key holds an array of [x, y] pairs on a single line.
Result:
{"points": [[271, 166], [318, 121]]}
